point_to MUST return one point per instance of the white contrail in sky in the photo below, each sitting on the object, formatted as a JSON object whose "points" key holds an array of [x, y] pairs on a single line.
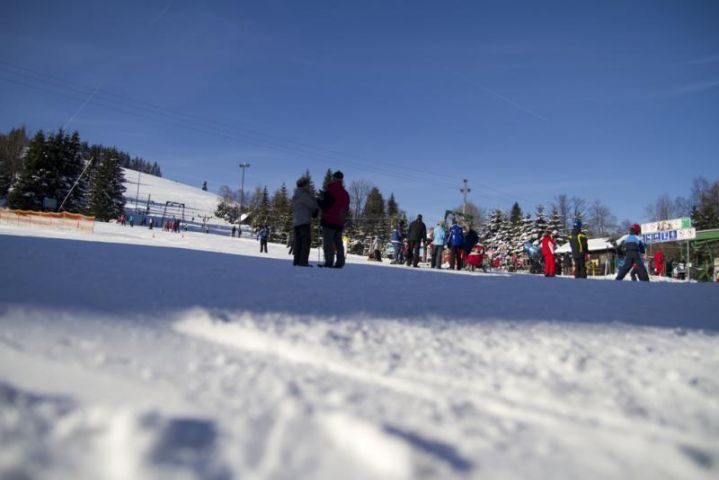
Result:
{"points": [[82, 107], [512, 103]]}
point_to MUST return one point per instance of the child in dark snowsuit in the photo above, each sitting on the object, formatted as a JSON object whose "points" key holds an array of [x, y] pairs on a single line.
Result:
{"points": [[633, 248]]}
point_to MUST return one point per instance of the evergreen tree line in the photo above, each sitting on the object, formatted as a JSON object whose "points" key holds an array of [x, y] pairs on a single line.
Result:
{"points": [[44, 173], [371, 215]]}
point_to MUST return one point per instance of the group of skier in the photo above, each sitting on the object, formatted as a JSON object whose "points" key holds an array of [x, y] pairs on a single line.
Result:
{"points": [[332, 204]]}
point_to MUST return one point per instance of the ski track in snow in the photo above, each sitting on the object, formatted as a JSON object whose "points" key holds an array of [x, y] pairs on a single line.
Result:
{"points": [[204, 361]]}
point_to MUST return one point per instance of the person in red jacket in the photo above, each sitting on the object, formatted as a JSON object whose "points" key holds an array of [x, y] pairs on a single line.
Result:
{"points": [[335, 203], [548, 246], [659, 263]]}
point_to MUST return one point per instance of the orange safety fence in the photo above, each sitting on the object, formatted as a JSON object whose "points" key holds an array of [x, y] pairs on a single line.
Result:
{"points": [[53, 220]]}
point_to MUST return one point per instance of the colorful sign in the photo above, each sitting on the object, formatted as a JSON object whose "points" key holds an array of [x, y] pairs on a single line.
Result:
{"points": [[667, 225], [670, 236]]}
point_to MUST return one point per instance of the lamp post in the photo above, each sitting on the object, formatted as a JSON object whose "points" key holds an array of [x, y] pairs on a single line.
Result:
{"points": [[243, 166], [465, 191]]}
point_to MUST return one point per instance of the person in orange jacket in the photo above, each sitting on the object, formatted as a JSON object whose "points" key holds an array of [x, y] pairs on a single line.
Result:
{"points": [[548, 246]]}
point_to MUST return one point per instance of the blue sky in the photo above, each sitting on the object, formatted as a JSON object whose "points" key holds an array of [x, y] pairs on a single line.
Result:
{"points": [[616, 100]]}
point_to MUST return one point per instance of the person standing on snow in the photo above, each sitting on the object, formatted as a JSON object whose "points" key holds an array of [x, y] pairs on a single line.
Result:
{"points": [[262, 236], [304, 208], [396, 240], [471, 238], [548, 246], [580, 250], [334, 202], [438, 238], [633, 249], [416, 235], [455, 243]]}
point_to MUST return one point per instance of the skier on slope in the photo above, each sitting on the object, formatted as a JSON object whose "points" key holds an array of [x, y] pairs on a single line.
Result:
{"points": [[580, 249], [334, 202], [548, 246], [633, 248]]}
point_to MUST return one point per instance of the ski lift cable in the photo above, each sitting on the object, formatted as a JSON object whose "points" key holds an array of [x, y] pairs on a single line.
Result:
{"points": [[105, 98]]}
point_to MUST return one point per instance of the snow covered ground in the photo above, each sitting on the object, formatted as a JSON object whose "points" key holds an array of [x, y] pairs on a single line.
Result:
{"points": [[131, 353]]}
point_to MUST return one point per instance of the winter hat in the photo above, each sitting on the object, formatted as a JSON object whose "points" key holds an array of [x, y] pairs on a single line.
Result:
{"points": [[577, 224], [338, 175], [302, 182], [636, 229]]}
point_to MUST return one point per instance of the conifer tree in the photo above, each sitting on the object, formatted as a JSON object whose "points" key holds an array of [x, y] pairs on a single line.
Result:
{"points": [[327, 179], [49, 170], [515, 215], [281, 220], [12, 149], [373, 220], [105, 198], [264, 209]]}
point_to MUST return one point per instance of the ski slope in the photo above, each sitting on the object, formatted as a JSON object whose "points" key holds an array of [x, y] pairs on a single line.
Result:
{"points": [[141, 188], [131, 353]]}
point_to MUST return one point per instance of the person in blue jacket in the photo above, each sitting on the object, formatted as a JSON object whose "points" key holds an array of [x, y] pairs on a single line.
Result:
{"points": [[397, 238], [633, 248], [438, 238], [455, 242]]}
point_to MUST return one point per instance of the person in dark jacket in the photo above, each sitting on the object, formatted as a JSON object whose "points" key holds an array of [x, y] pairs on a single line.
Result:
{"points": [[334, 202], [262, 236], [580, 250], [455, 242], [416, 235], [304, 208], [633, 248], [471, 238]]}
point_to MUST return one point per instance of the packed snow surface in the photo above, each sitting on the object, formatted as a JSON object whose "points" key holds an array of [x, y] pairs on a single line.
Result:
{"points": [[139, 354]]}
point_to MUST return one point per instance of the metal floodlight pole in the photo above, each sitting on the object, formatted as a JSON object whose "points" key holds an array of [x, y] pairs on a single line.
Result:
{"points": [[243, 166], [465, 190]]}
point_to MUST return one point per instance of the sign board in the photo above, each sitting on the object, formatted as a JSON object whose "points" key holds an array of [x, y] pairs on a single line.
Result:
{"points": [[49, 203], [667, 225], [681, 234]]}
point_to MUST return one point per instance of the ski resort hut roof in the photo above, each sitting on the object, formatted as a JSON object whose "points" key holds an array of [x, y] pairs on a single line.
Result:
{"points": [[595, 245]]}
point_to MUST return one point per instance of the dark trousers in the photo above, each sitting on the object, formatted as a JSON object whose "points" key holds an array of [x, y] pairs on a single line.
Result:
{"points": [[437, 251], [332, 246], [263, 245], [413, 257], [580, 268], [455, 257], [630, 263], [301, 248]]}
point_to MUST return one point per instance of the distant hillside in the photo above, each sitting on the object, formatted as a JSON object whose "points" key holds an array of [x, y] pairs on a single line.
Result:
{"points": [[198, 203]]}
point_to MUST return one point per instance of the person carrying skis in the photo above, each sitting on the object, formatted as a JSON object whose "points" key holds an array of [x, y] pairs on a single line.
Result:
{"points": [[548, 246], [633, 248], [580, 249], [455, 243], [304, 208], [334, 202], [438, 237], [416, 235]]}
